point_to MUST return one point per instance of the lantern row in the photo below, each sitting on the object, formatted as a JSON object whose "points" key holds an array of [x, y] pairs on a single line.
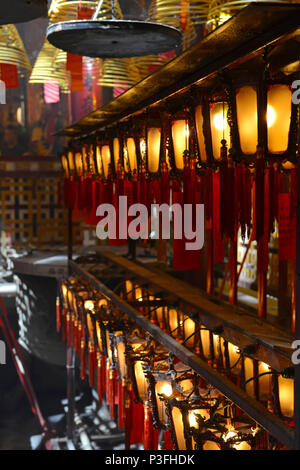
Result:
{"points": [[157, 399]]}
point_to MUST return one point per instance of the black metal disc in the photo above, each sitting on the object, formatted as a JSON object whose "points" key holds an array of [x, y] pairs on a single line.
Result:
{"points": [[113, 38], [19, 11]]}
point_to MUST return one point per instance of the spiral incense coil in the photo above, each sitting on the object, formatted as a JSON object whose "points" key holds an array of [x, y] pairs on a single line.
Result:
{"points": [[62, 10], [12, 49], [45, 69], [115, 73], [176, 13], [182, 15], [139, 68], [220, 11]]}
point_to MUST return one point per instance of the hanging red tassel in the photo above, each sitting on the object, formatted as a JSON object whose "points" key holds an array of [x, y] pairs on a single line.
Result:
{"points": [[99, 378], [209, 199], [112, 391], [82, 359], [58, 318], [148, 441], [128, 416], [122, 408], [107, 382], [91, 364], [164, 184], [137, 421], [75, 335], [218, 248], [168, 443], [259, 195], [63, 323], [68, 328]]}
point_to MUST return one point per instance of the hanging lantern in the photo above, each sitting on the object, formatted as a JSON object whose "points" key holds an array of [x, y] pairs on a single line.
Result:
{"points": [[212, 126], [264, 114], [180, 134], [104, 154], [153, 146], [286, 396]]}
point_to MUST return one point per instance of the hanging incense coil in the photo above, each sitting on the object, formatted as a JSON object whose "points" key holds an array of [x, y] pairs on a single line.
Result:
{"points": [[140, 67], [12, 49], [97, 29], [115, 73], [176, 13], [47, 69], [220, 11], [62, 10], [182, 15]]}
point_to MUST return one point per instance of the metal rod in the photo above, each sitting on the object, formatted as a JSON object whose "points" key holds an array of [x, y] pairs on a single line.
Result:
{"points": [[96, 12]]}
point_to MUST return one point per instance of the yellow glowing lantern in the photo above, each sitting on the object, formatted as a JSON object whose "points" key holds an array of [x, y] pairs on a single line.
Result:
{"points": [[64, 162], [78, 163], [219, 127], [173, 319], [143, 149], [129, 289], [205, 341], [279, 109], [249, 373], [71, 161], [246, 108], [138, 294], [116, 151], [180, 139], [106, 159], [99, 161], [272, 131], [121, 355], [162, 387], [286, 396], [243, 445], [153, 149], [85, 159], [200, 133], [179, 428], [132, 157], [264, 381], [141, 381], [189, 327]]}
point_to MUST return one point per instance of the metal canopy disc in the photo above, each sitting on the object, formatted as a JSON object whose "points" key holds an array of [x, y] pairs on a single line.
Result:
{"points": [[19, 11], [113, 38]]}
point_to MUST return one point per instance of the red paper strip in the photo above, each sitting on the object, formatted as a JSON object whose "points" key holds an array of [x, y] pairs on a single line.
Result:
{"points": [[217, 239], [287, 228], [9, 75]]}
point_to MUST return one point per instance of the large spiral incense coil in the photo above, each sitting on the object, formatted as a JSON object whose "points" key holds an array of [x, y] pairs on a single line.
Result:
{"points": [[183, 15], [140, 68], [220, 11], [98, 29], [12, 49], [62, 10], [46, 69], [115, 73], [176, 13]]}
